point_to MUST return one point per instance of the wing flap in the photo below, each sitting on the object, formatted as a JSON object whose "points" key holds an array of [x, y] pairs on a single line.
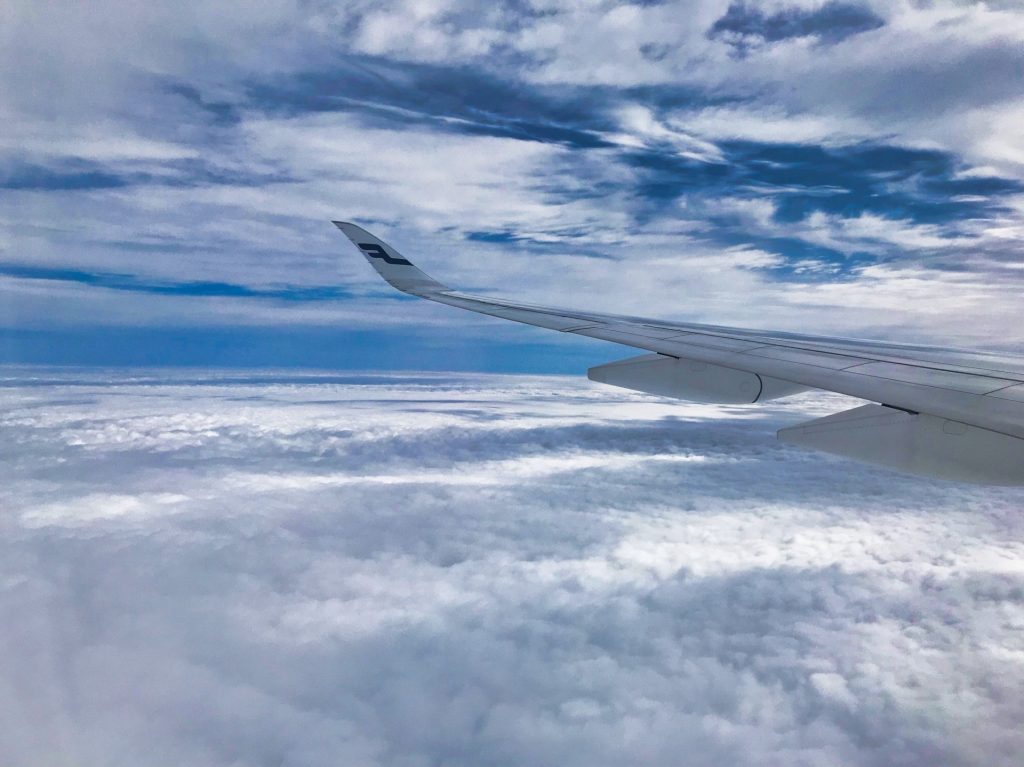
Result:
{"points": [[916, 443], [1015, 393]]}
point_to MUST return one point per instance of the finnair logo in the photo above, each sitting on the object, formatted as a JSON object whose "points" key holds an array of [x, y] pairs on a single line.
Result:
{"points": [[372, 250]]}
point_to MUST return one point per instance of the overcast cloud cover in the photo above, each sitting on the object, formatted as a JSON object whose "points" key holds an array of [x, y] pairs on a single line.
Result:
{"points": [[167, 172], [285, 569]]}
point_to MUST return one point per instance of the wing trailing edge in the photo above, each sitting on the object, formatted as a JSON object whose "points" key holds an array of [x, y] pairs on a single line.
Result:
{"points": [[916, 443]]}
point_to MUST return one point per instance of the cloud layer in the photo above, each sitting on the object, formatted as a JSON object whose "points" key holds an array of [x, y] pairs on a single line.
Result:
{"points": [[751, 164], [371, 569]]}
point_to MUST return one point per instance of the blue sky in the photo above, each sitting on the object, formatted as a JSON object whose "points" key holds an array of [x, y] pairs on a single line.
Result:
{"points": [[167, 177]]}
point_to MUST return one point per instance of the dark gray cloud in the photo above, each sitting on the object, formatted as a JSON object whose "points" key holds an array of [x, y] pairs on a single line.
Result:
{"points": [[745, 25], [310, 569]]}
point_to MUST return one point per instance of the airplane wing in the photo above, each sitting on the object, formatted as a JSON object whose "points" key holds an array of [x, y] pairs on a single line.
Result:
{"points": [[939, 412]]}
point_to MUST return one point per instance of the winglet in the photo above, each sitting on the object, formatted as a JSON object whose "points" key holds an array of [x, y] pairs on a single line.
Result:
{"points": [[389, 263]]}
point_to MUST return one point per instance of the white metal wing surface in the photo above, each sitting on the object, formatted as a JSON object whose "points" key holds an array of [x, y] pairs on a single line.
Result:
{"points": [[941, 412]]}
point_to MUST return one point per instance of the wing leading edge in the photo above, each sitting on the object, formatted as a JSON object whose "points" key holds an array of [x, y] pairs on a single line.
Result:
{"points": [[944, 413]]}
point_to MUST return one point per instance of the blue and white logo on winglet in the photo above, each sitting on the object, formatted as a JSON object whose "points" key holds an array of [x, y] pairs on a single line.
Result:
{"points": [[398, 271], [373, 250]]}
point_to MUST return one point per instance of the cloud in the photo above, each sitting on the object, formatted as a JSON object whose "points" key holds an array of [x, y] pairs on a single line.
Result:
{"points": [[744, 26], [527, 148], [131, 283], [302, 569]]}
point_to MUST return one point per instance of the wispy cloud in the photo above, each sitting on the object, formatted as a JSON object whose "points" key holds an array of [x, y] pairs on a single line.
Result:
{"points": [[514, 147]]}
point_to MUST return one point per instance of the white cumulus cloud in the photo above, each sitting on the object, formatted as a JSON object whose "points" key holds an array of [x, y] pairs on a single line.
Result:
{"points": [[312, 569]]}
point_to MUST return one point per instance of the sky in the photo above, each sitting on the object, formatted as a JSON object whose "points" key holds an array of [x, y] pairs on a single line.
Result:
{"points": [[168, 174], [257, 568], [224, 542]]}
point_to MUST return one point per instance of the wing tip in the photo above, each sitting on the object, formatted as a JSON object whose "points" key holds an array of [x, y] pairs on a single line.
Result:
{"points": [[397, 270], [351, 230]]}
